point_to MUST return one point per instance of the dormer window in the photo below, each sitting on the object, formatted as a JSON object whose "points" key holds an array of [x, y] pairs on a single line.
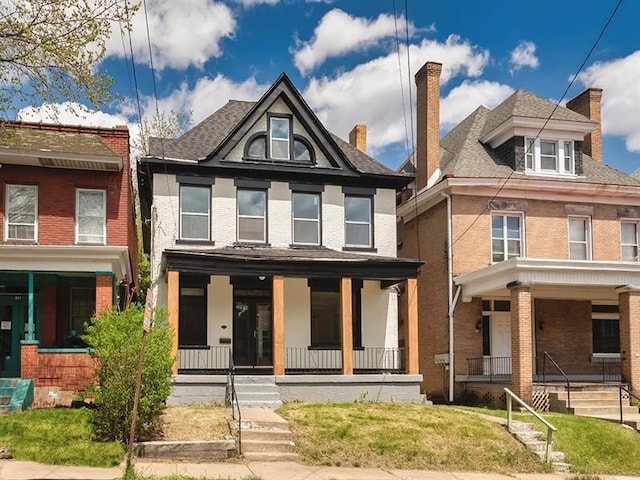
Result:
{"points": [[549, 156], [279, 137]]}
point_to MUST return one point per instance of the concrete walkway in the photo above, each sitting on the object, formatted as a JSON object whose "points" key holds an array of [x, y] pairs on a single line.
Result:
{"points": [[17, 470]]}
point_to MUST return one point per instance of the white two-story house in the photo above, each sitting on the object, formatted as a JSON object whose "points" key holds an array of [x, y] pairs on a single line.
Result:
{"points": [[273, 247]]}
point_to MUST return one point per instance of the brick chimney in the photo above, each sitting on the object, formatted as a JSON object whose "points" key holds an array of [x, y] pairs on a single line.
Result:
{"points": [[358, 137], [588, 104], [427, 156]]}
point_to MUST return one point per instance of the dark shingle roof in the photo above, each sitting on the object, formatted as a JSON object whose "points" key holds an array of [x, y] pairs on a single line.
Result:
{"points": [[526, 104], [205, 137], [463, 155]]}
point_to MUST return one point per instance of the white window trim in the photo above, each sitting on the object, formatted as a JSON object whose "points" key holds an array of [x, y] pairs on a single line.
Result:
{"points": [[308, 220], [263, 217], [560, 157], [271, 138], [195, 214], [351, 222], [637, 244], [504, 238], [6, 216], [587, 234], [104, 215]]}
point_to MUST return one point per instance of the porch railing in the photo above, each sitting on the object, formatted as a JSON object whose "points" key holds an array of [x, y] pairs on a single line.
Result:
{"points": [[633, 399], [610, 368], [329, 361], [489, 368], [204, 359]]}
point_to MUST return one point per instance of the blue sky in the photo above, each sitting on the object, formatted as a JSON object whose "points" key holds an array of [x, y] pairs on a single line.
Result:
{"points": [[342, 56]]}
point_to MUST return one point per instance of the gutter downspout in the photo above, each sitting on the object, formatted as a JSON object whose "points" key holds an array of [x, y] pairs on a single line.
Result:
{"points": [[453, 300]]}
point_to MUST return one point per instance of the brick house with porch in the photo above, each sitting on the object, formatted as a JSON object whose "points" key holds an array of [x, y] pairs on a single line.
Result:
{"points": [[68, 245], [532, 246]]}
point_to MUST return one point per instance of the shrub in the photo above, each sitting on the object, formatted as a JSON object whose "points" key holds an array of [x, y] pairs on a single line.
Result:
{"points": [[116, 338]]}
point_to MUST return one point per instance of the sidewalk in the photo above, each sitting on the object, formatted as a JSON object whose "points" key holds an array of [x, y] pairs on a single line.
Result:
{"points": [[17, 470]]}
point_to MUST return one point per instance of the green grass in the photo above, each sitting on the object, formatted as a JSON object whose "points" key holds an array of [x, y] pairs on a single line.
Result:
{"points": [[58, 436], [405, 437], [591, 445]]}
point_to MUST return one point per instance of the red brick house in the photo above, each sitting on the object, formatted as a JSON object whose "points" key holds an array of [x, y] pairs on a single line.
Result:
{"points": [[531, 242], [68, 245]]}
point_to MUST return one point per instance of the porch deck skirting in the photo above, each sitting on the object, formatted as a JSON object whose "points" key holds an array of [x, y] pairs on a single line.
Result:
{"points": [[403, 388]]}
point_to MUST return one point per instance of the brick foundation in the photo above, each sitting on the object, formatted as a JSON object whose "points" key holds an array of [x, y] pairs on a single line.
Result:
{"points": [[66, 371]]}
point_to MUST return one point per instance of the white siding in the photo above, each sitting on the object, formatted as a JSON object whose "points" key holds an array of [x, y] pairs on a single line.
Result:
{"points": [[379, 316], [224, 212], [297, 313], [333, 217], [279, 215], [219, 310]]}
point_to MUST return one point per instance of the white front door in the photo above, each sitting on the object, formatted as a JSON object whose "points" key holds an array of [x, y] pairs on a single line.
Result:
{"points": [[501, 343]]}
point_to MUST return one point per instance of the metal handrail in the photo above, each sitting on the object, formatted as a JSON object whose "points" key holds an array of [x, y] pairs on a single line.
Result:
{"points": [[566, 378], [550, 428], [628, 390], [232, 398]]}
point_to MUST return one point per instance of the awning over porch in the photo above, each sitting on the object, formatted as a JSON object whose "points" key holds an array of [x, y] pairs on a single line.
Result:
{"points": [[292, 262], [579, 278]]}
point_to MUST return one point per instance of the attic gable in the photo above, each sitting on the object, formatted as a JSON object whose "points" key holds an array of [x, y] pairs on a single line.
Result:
{"points": [[281, 128]]}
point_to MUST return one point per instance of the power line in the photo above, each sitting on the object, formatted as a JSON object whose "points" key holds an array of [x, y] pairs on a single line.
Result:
{"points": [[548, 119]]}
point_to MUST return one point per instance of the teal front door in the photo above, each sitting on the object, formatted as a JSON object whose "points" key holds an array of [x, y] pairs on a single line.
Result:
{"points": [[13, 318]]}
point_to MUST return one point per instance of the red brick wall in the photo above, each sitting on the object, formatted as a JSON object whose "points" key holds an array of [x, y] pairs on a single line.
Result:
{"points": [[48, 295], [104, 293], [66, 371], [56, 192]]}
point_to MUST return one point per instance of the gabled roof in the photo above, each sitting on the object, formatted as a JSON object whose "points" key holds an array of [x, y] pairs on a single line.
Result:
{"points": [[210, 140], [463, 155]]}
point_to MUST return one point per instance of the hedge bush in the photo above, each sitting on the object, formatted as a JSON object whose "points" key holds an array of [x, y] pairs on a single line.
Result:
{"points": [[116, 338]]}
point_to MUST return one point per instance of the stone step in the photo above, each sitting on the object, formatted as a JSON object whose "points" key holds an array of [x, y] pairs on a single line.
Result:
{"points": [[594, 411], [271, 456], [256, 388], [270, 446], [266, 435], [536, 445], [257, 396], [5, 399], [587, 394], [560, 467], [521, 427], [272, 404], [263, 425], [528, 435], [254, 379], [7, 391], [555, 456]]}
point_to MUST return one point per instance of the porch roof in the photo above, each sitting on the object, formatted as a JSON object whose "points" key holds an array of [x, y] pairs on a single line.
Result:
{"points": [[577, 278], [291, 262]]}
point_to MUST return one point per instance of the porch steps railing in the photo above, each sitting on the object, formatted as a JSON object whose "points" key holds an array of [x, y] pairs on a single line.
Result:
{"points": [[564, 375], [533, 439], [626, 395]]}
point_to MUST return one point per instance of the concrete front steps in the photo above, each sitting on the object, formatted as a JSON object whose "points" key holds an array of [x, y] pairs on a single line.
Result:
{"points": [[266, 436], [603, 404], [257, 391], [16, 395], [536, 442]]}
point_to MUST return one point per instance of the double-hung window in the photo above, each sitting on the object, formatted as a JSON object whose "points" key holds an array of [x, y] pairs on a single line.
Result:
{"points": [[605, 321], [549, 156], [507, 236], [91, 216], [629, 240], [279, 138], [21, 217], [306, 218], [358, 218], [252, 216], [579, 238], [195, 212]]}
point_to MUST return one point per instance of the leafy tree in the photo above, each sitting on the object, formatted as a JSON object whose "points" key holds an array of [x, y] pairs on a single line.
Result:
{"points": [[50, 50], [116, 337]]}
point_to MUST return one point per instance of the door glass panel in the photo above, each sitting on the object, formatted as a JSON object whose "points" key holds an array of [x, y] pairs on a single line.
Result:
{"points": [[6, 315], [242, 333], [263, 334]]}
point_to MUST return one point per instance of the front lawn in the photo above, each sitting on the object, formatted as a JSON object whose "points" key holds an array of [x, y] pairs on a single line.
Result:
{"points": [[58, 436], [389, 435]]}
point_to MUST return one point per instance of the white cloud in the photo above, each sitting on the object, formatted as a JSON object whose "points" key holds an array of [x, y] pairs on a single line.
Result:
{"points": [[339, 33], [251, 3], [465, 98], [619, 80], [370, 93], [524, 55], [69, 113], [208, 95], [180, 36]]}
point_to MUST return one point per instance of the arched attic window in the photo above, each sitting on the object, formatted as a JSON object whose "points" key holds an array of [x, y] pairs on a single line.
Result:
{"points": [[256, 149]]}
